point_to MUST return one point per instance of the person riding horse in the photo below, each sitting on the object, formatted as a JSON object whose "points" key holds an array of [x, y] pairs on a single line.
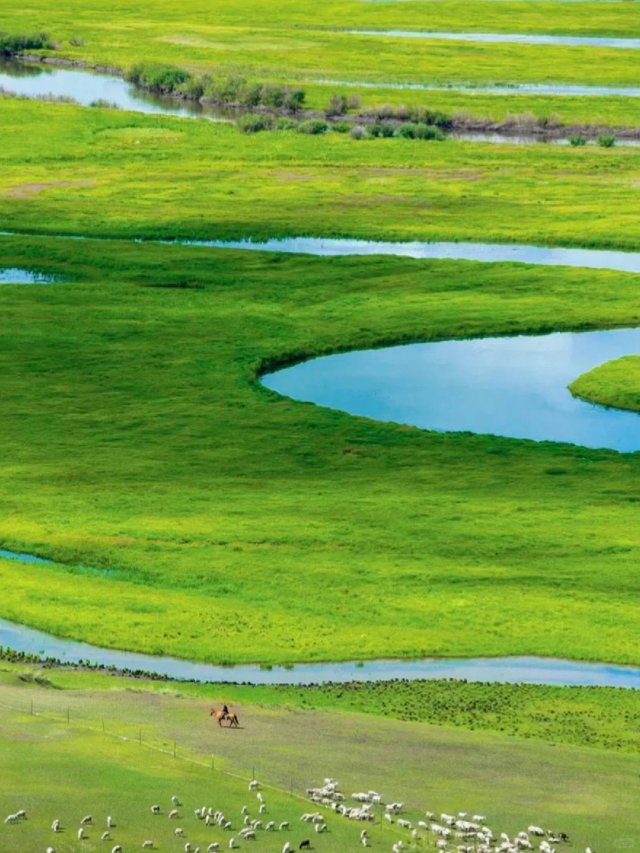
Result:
{"points": [[225, 712]]}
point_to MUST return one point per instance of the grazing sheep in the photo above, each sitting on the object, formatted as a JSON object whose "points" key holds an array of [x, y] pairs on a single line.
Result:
{"points": [[56, 826], [178, 832], [213, 847], [116, 849], [305, 845], [110, 822], [21, 814], [535, 830], [173, 813], [284, 825], [254, 785], [155, 809], [81, 834], [86, 820], [259, 797], [232, 844], [176, 800], [364, 841], [147, 845], [270, 827], [263, 808], [287, 847], [105, 835], [51, 850], [11, 818]]}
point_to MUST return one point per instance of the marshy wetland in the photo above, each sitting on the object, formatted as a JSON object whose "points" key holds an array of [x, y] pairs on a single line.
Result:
{"points": [[321, 392]]}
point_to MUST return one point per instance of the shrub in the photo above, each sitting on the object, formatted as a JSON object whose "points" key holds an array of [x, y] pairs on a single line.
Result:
{"points": [[313, 126], [382, 130], [358, 132], [337, 105], [294, 100], [251, 95], [341, 126], [272, 96], [284, 123], [157, 77], [76, 42], [253, 123], [606, 140], [354, 101], [408, 130], [102, 103], [384, 111], [12, 44], [227, 90], [577, 140], [403, 113], [429, 132]]}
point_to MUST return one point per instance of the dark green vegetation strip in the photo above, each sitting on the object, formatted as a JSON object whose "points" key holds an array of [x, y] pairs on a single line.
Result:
{"points": [[616, 383], [227, 523]]}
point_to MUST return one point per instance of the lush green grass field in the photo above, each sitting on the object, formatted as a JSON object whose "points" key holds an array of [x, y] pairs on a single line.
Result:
{"points": [[53, 767], [294, 42], [108, 173], [616, 383], [225, 523]]}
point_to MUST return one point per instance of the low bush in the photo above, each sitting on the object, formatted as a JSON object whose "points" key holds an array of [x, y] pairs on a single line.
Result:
{"points": [[284, 123], [313, 126], [342, 126], [382, 130], [102, 103], [606, 140], [10, 45], [358, 132], [254, 123], [158, 77], [577, 140], [337, 105]]}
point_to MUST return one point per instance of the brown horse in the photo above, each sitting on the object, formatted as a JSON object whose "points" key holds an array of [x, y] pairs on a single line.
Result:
{"points": [[230, 716]]}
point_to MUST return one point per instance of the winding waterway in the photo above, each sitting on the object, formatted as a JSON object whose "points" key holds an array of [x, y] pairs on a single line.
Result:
{"points": [[508, 38]]}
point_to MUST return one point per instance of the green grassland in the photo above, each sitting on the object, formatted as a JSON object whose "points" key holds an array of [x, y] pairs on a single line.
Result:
{"points": [[111, 173], [225, 523], [75, 768], [616, 383], [295, 43]]}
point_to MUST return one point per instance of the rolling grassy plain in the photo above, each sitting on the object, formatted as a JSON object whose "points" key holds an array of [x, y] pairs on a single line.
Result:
{"points": [[616, 383], [225, 523], [110, 173], [53, 767]]}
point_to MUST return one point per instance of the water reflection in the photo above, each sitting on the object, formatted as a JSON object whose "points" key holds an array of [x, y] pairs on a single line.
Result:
{"points": [[509, 386], [509, 38]]}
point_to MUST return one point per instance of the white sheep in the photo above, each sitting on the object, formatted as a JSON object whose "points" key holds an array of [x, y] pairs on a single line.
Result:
{"points": [[232, 843], [178, 832], [56, 826], [86, 820], [117, 849], [213, 847], [254, 785], [105, 835], [11, 818], [81, 834], [176, 800], [270, 827], [148, 844], [110, 822], [155, 809], [173, 813], [21, 814], [51, 850], [287, 847], [284, 825], [263, 808], [535, 830]]}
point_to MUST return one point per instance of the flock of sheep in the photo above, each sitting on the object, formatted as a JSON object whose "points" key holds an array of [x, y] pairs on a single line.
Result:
{"points": [[447, 833], [450, 833]]}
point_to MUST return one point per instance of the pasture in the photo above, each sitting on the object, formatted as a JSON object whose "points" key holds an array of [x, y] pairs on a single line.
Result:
{"points": [[145, 431], [66, 766]]}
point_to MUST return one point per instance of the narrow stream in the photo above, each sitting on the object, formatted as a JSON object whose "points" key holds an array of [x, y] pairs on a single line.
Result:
{"points": [[17, 275], [508, 38]]}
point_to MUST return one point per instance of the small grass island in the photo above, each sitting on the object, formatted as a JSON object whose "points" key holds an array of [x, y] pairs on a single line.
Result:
{"points": [[615, 383]]}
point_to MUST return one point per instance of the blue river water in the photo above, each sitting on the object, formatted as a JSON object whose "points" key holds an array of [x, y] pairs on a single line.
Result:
{"points": [[507, 386]]}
